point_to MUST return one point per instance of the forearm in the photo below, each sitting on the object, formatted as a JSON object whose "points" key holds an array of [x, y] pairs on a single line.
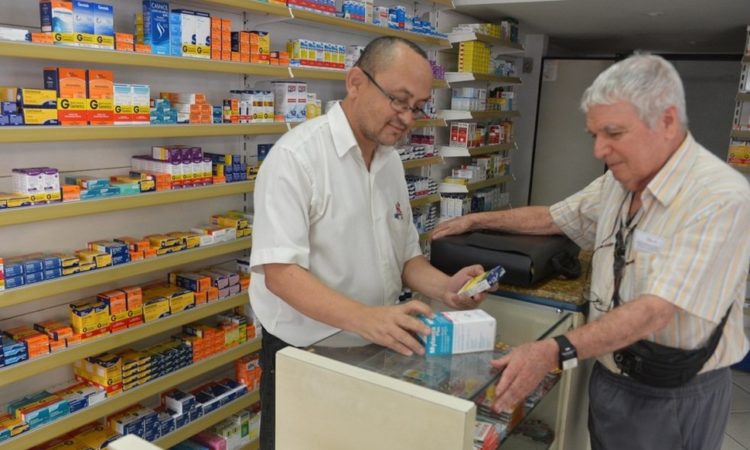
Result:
{"points": [[419, 275], [622, 326], [308, 295], [529, 220]]}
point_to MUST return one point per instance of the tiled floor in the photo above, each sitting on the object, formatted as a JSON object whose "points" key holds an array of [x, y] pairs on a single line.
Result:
{"points": [[738, 429]]}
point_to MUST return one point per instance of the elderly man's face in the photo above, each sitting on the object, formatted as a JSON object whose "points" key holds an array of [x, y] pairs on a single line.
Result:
{"points": [[632, 151]]}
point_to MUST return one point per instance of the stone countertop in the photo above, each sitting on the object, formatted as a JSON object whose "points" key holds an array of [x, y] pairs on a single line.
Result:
{"points": [[557, 292]]}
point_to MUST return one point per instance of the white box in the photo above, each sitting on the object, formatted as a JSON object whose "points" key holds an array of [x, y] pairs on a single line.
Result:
{"points": [[455, 332]]}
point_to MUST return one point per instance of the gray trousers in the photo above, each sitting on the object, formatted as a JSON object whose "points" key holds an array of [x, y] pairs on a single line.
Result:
{"points": [[628, 415]]}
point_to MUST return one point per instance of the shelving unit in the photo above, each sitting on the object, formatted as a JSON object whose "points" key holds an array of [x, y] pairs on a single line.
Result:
{"points": [[438, 122], [423, 162], [208, 420], [457, 152], [465, 77], [425, 200], [111, 405], [101, 133], [454, 114], [13, 216], [17, 372], [488, 183], [739, 137], [502, 45], [744, 135], [116, 273]]}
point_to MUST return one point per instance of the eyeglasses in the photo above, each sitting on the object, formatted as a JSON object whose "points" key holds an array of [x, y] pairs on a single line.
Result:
{"points": [[396, 103]]}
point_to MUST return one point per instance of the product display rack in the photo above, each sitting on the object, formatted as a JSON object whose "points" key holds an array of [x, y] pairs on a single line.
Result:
{"points": [[129, 132], [424, 200], [111, 405], [740, 119], [740, 134], [743, 97], [13, 216], [459, 152], [422, 162], [488, 183], [454, 114], [465, 77], [31, 367], [502, 45], [120, 272], [208, 421], [437, 122]]}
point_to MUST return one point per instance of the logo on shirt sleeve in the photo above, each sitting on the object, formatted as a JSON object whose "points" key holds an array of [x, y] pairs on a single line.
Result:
{"points": [[398, 214]]}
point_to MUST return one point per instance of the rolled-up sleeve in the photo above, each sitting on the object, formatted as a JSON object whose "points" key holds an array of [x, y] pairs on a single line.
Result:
{"points": [[282, 201], [578, 215]]}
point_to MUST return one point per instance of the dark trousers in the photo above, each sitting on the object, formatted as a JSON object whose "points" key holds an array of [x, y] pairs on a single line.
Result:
{"points": [[625, 414], [271, 345]]}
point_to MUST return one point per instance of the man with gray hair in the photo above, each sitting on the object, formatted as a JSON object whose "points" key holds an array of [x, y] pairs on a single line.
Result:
{"points": [[666, 224]]}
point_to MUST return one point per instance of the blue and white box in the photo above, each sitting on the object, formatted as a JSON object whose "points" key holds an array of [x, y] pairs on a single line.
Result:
{"points": [[454, 332], [156, 26]]}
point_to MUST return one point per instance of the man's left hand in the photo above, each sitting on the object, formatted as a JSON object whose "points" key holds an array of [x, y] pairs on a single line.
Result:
{"points": [[456, 282], [524, 368]]}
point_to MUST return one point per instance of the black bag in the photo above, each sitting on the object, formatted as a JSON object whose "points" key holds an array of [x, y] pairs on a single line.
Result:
{"points": [[527, 259], [662, 366]]}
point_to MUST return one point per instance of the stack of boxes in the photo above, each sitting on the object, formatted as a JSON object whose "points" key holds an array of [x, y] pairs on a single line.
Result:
{"points": [[304, 52], [290, 101], [10, 114], [420, 186], [33, 268], [78, 23], [37, 106], [137, 420], [36, 343], [102, 371], [191, 107], [327, 7], [221, 39], [469, 99], [186, 165], [136, 368], [132, 104], [92, 187], [200, 285], [250, 106], [474, 56], [38, 409], [190, 33], [168, 357], [251, 46], [138, 248], [247, 370], [89, 318], [13, 351], [40, 184], [162, 112], [164, 300], [125, 307], [500, 99], [227, 167], [80, 395], [100, 94]]}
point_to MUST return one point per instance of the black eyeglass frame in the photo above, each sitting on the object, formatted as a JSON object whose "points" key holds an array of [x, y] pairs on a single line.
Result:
{"points": [[397, 104]]}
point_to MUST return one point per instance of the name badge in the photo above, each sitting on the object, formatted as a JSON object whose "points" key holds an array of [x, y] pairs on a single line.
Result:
{"points": [[647, 242]]}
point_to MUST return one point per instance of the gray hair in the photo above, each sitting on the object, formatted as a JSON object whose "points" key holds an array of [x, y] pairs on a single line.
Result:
{"points": [[379, 53], [648, 82]]}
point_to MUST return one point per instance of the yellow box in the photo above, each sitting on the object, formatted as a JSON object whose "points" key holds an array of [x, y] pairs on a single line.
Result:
{"points": [[37, 98], [40, 116], [13, 200], [155, 308], [190, 240], [88, 316]]}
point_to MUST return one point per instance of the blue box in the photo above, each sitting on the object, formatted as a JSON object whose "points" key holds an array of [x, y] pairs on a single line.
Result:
{"points": [[180, 420], [156, 26], [14, 120], [34, 277], [51, 274], [84, 17], [196, 413], [104, 20], [51, 262], [13, 282], [33, 265], [13, 269], [7, 108]]}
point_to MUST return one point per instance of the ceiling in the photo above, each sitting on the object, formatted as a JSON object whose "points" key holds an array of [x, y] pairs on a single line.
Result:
{"points": [[597, 27]]}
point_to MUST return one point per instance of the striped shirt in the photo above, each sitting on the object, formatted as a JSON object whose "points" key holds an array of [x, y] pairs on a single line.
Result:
{"points": [[688, 244]]}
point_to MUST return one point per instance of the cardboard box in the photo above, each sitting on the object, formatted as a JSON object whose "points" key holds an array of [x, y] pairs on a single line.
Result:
{"points": [[455, 332]]}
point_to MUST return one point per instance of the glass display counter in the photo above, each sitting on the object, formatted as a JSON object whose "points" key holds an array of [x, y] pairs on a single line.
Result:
{"points": [[357, 388]]}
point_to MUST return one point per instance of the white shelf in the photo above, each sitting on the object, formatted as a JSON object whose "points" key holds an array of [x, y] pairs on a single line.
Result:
{"points": [[460, 152], [455, 114], [465, 77], [501, 45], [454, 188]]}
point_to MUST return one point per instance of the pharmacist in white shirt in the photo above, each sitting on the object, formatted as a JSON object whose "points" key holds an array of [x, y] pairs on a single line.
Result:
{"points": [[333, 238]]}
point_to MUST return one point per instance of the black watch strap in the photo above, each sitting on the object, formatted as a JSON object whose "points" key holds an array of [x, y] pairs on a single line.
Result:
{"points": [[568, 356]]}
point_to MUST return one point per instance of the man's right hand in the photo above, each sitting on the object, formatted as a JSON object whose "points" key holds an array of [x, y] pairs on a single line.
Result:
{"points": [[395, 326], [458, 225]]}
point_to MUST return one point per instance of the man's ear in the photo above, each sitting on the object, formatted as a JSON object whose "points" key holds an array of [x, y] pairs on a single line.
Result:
{"points": [[355, 80], [671, 122]]}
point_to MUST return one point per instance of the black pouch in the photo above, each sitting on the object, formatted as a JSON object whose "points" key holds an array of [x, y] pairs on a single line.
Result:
{"points": [[662, 366]]}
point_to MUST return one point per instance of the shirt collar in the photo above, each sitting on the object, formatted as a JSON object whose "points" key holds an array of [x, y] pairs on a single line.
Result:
{"points": [[341, 131], [671, 177], [344, 140]]}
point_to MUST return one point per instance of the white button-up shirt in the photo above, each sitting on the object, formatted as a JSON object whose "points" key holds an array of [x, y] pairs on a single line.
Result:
{"points": [[317, 206], [689, 246]]}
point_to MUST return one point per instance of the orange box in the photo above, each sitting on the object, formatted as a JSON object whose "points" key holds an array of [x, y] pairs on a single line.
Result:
{"points": [[124, 38], [71, 192], [134, 297], [55, 345], [134, 321], [55, 329], [116, 300], [226, 55], [93, 333], [135, 255], [124, 47], [149, 253], [201, 297], [42, 38], [101, 94], [235, 57], [212, 293], [73, 340], [70, 84], [142, 48]]}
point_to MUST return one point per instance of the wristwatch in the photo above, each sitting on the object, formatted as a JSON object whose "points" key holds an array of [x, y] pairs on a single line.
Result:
{"points": [[568, 354]]}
